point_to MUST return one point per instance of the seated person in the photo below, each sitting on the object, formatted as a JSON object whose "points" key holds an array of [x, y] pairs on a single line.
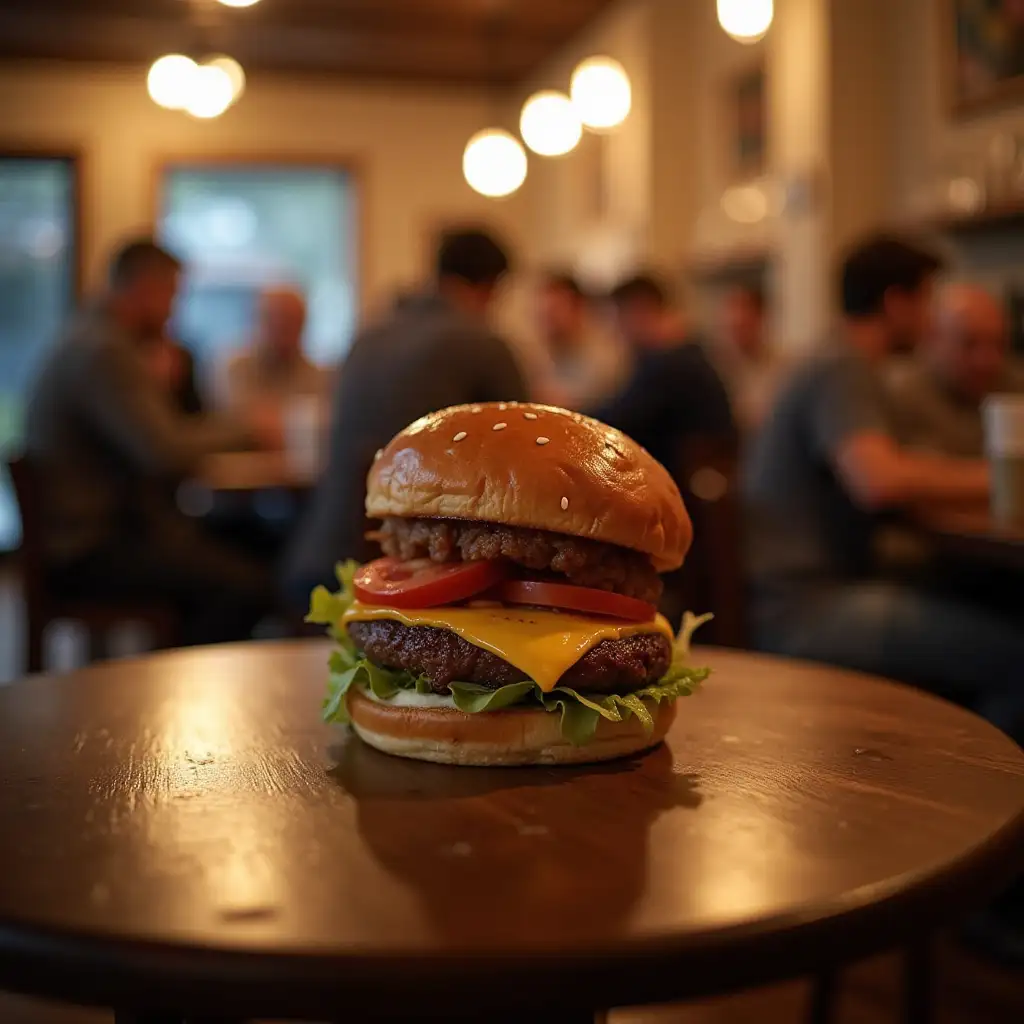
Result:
{"points": [[817, 482], [273, 369], [109, 448], [673, 392], [577, 365], [750, 368], [432, 350], [175, 368], [937, 394]]}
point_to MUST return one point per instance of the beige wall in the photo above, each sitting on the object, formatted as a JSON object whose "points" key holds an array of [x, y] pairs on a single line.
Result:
{"points": [[594, 204], [927, 139], [406, 145]]}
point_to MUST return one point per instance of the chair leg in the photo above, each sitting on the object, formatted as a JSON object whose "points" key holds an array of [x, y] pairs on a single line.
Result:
{"points": [[824, 998], [918, 984]]}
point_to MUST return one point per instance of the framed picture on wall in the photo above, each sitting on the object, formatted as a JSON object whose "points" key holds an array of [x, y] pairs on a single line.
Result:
{"points": [[748, 124], [985, 60]]}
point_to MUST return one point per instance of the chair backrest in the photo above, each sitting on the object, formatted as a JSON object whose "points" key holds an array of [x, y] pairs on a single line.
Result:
{"points": [[713, 578], [31, 552]]}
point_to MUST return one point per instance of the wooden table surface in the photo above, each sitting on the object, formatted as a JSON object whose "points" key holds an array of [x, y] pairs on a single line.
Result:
{"points": [[254, 471], [977, 537], [181, 830]]}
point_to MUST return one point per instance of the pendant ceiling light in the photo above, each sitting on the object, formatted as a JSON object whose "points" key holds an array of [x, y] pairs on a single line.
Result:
{"points": [[549, 124], [601, 93], [494, 163], [746, 21]]}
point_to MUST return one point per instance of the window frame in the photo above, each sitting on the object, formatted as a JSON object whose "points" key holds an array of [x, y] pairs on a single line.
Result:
{"points": [[75, 159], [166, 165]]}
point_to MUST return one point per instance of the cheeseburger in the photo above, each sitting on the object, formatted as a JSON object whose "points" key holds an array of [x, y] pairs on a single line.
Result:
{"points": [[513, 618]]}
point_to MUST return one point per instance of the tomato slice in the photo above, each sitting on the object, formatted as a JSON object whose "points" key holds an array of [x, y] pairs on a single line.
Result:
{"points": [[577, 599], [421, 583]]}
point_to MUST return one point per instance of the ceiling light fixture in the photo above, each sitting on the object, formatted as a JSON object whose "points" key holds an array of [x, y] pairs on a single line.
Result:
{"points": [[494, 163], [549, 123], [601, 93], [211, 92], [170, 81], [746, 21]]}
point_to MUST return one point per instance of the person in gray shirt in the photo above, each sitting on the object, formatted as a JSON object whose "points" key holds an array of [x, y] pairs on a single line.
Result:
{"points": [[433, 349], [108, 448], [822, 476]]}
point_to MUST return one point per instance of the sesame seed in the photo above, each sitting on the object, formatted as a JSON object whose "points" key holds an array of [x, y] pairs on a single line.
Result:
{"points": [[459, 436], [379, 453], [565, 504], [476, 409], [543, 440], [502, 406], [530, 415], [499, 426]]}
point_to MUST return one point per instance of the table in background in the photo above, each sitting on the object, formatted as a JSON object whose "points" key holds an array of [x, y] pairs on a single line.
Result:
{"points": [[182, 833], [254, 471], [975, 537]]}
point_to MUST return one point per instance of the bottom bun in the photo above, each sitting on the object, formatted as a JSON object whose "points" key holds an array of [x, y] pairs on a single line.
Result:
{"points": [[517, 736]]}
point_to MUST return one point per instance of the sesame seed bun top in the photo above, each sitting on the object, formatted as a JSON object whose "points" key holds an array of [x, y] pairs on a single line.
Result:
{"points": [[532, 466]]}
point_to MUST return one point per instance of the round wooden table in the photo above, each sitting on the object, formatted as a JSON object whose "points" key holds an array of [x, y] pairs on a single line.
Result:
{"points": [[181, 834]]}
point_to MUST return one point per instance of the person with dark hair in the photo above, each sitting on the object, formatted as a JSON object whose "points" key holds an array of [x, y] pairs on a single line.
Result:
{"points": [[674, 392], [109, 446], [576, 365], [432, 349], [819, 482], [751, 368]]}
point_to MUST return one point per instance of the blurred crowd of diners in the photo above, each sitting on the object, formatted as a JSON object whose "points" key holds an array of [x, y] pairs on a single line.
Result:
{"points": [[837, 451]]}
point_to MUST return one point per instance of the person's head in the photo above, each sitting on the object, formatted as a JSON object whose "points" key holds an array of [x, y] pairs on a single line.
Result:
{"points": [[968, 349], [282, 317], [470, 265], [561, 310], [639, 306], [742, 320], [888, 282], [143, 282]]}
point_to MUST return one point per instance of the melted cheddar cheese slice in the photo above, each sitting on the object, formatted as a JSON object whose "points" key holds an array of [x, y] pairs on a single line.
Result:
{"points": [[542, 644]]}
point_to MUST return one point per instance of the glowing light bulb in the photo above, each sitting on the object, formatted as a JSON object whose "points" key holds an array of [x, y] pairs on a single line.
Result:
{"points": [[494, 163], [234, 71], [211, 92], [601, 93], [746, 21], [550, 124], [170, 81]]}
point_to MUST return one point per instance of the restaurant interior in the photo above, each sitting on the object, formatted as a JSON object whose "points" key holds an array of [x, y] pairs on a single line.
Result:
{"points": [[779, 243]]}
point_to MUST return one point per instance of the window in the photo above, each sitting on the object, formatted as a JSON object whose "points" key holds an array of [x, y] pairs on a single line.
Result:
{"points": [[242, 228], [37, 289]]}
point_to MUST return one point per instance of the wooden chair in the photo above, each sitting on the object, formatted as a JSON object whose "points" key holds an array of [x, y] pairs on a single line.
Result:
{"points": [[713, 578], [43, 607]]}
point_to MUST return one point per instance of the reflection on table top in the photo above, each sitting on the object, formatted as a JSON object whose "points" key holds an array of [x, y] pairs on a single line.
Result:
{"points": [[255, 471], [193, 799]]}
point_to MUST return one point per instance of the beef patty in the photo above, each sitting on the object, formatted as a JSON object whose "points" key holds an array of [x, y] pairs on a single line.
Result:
{"points": [[586, 563], [612, 666]]}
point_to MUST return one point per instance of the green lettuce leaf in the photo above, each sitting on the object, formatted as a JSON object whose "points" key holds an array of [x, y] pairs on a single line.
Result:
{"points": [[579, 713], [473, 698]]}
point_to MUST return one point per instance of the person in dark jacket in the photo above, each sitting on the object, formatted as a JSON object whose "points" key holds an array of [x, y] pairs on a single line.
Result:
{"points": [[108, 449], [673, 392], [432, 350]]}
